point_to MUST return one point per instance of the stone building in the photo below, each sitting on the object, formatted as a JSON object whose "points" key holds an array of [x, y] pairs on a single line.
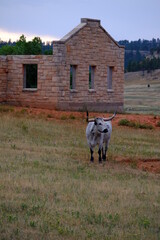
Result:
{"points": [[86, 71]]}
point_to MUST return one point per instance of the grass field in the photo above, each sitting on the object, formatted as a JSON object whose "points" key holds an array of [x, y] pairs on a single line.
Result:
{"points": [[138, 97], [49, 190]]}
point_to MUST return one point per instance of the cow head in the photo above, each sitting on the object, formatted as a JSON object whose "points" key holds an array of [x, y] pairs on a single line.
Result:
{"points": [[100, 125]]}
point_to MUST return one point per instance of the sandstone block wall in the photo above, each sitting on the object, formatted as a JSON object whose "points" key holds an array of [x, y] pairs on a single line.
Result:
{"points": [[45, 95], [90, 46], [3, 78]]}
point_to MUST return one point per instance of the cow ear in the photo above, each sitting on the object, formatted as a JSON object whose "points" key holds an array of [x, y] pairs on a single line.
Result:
{"points": [[95, 122]]}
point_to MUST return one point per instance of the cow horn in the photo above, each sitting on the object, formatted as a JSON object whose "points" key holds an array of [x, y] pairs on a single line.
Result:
{"points": [[89, 120], [87, 116], [110, 118]]}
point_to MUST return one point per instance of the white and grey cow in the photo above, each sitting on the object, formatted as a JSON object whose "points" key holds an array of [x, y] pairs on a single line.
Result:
{"points": [[98, 132]]}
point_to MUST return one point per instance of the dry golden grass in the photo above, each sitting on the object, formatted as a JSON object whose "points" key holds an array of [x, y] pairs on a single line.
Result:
{"points": [[49, 190], [139, 98]]}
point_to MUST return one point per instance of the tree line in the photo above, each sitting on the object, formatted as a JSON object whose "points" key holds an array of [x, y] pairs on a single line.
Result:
{"points": [[136, 52], [141, 45], [22, 47], [146, 64]]}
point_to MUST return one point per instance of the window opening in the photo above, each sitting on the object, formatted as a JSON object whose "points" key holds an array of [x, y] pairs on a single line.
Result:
{"points": [[109, 77], [30, 75], [73, 76], [91, 76]]}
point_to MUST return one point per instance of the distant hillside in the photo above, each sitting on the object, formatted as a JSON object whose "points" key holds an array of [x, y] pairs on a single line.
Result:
{"points": [[142, 92], [141, 45], [141, 54]]}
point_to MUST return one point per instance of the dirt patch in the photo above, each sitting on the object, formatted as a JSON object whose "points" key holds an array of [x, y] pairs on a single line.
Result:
{"points": [[51, 113], [149, 165], [143, 119]]}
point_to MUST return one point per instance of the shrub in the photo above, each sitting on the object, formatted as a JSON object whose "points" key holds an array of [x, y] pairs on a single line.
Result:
{"points": [[63, 117], [49, 116], [125, 122], [71, 116], [4, 108], [158, 124], [24, 111], [145, 126]]}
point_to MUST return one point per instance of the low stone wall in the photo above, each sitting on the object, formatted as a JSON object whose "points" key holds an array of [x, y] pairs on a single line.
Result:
{"points": [[45, 95], [91, 106], [3, 78], [53, 90]]}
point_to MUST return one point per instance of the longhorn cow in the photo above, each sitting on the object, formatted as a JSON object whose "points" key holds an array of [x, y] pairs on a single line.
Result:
{"points": [[98, 132]]}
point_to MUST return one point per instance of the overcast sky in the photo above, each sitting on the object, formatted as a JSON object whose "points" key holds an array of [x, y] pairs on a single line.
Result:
{"points": [[52, 19]]}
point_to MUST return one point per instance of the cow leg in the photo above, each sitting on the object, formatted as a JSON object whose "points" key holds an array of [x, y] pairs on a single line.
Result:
{"points": [[100, 158], [105, 152], [92, 158]]}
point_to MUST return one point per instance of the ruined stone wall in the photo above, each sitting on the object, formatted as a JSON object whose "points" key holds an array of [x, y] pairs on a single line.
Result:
{"points": [[3, 78], [91, 46], [45, 95]]}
